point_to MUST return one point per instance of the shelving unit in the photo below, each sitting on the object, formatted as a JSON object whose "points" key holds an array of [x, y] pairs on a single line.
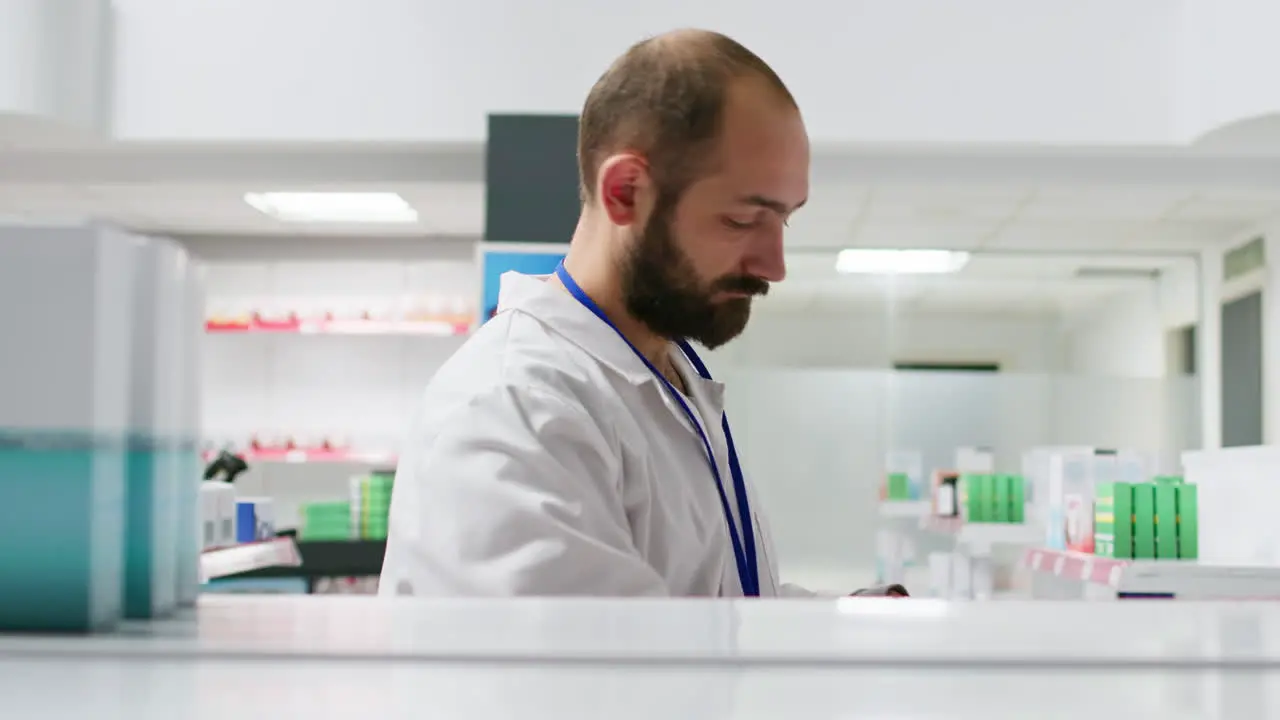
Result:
{"points": [[294, 326], [312, 369], [1096, 577], [382, 459], [979, 538]]}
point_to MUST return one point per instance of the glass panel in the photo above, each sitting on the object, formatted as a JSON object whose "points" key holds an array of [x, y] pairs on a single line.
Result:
{"points": [[812, 442], [815, 442]]}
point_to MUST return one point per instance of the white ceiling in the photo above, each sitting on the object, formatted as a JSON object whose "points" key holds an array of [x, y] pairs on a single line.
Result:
{"points": [[1034, 224], [955, 217]]}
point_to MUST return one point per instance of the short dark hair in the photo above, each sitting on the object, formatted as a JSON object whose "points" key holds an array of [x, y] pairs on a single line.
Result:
{"points": [[665, 98]]}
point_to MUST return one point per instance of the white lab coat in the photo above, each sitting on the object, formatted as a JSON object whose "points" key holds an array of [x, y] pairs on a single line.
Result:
{"points": [[546, 459]]}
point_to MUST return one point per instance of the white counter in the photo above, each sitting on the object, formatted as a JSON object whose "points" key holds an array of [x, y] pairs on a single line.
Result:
{"points": [[338, 657]]}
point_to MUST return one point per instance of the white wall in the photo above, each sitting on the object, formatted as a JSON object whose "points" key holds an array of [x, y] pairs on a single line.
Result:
{"points": [[860, 339], [55, 68], [1228, 49], [987, 71], [1127, 334], [1124, 336]]}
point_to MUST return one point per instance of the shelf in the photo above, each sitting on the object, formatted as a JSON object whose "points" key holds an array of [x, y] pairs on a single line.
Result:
{"points": [[978, 538], [437, 328], [905, 508], [991, 533], [313, 456], [1184, 579], [244, 558]]}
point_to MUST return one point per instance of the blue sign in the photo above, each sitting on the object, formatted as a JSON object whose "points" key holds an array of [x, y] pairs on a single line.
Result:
{"points": [[499, 258]]}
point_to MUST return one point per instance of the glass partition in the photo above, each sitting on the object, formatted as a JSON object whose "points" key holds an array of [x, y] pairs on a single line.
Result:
{"points": [[815, 441], [1057, 349]]}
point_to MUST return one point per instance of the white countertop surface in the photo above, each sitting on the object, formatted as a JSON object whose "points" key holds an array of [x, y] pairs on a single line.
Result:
{"points": [[321, 657]]}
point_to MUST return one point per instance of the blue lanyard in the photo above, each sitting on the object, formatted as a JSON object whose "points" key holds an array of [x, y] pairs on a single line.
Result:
{"points": [[744, 546]]}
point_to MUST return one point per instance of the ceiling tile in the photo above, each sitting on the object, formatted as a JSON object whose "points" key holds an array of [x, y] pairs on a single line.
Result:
{"points": [[1183, 234], [1064, 235], [1243, 207], [942, 205], [958, 235], [1125, 203]]}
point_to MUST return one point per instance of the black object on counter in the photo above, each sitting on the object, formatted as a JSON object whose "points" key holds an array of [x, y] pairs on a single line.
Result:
{"points": [[329, 558]]}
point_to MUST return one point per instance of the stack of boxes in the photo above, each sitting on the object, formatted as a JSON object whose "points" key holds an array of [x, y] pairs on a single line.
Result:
{"points": [[363, 517], [96, 415], [325, 521], [991, 498], [1146, 521], [371, 505]]}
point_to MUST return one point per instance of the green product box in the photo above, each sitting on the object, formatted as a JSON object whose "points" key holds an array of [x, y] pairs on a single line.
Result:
{"points": [[326, 509], [1017, 499], [1166, 521], [325, 531], [1144, 521], [988, 483], [975, 497], [1188, 527], [1113, 520], [1000, 498], [899, 487]]}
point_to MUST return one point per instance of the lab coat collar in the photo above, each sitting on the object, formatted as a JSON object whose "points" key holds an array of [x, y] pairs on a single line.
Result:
{"points": [[532, 294]]}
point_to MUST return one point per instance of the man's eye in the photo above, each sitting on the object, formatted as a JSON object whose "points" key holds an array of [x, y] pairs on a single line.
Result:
{"points": [[738, 225]]}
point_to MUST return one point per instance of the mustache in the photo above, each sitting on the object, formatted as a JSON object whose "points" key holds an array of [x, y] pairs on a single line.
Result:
{"points": [[745, 284]]}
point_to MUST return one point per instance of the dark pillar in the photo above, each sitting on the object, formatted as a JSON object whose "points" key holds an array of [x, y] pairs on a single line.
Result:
{"points": [[531, 197]]}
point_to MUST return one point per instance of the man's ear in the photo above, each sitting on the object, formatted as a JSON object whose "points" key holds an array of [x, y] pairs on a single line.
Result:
{"points": [[623, 180]]}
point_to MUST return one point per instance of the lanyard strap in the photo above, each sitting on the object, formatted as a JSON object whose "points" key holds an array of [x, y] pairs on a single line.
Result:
{"points": [[744, 546]]}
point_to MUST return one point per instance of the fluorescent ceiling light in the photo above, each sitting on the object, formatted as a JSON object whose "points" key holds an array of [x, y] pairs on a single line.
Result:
{"points": [[334, 207], [900, 262]]}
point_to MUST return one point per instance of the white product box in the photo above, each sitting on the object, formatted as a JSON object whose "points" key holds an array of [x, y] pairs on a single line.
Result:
{"points": [[189, 285], [217, 514], [975, 460], [151, 527], [255, 519], [1236, 495], [66, 325]]}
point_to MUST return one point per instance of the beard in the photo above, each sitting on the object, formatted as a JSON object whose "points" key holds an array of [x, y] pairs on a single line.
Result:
{"points": [[662, 289]]}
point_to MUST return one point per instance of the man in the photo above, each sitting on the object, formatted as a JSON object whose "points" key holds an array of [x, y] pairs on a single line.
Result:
{"points": [[576, 445]]}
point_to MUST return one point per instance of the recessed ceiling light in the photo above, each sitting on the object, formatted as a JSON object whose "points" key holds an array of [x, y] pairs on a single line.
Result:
{"points": [[334, 207], [900, 262]]}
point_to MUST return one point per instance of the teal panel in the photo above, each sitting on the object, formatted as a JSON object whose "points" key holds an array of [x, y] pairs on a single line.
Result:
{"points": [[62, 514]]}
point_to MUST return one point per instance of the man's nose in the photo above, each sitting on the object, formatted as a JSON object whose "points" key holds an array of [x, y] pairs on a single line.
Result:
{"points": [[767, 261]]}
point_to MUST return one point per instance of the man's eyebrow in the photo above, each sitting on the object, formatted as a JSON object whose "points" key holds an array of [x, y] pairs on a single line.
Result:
{"points": [[775, 205]]}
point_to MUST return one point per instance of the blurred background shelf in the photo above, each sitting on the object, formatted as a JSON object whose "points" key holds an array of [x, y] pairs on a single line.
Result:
{"points": [[437, 328], [384, 459]]}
